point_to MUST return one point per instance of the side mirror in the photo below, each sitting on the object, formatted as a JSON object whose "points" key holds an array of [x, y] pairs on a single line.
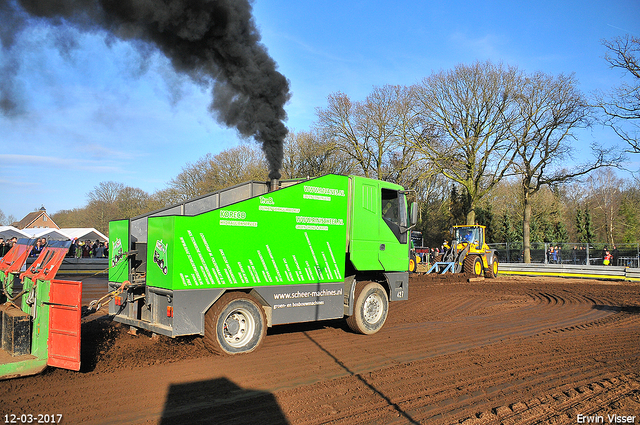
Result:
{"points": [[414, 213]]}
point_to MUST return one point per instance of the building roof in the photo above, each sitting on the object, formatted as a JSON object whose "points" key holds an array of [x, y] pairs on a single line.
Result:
{"points": [[33, 216]]}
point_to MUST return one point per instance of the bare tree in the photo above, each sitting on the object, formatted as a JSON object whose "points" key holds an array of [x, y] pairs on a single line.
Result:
{"points": [[106, 192], [233, 166], [6, 220], [622, 105], [132, 202], [370, 132], [214, 172], [463, 120], [606, 199], [102, 206], [307, 154], [189, 183], [548, 109]]}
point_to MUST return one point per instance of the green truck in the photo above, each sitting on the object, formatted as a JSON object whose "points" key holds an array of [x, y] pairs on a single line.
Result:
{"points": [[231, 264]]}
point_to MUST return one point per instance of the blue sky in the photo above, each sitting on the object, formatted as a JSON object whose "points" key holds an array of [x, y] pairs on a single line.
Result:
{"points": [[102, 113]]}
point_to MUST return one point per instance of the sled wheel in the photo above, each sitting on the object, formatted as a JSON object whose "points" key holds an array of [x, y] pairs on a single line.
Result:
{"points": [[235, 324], [370, 308], [492, 271], [473, 265]]}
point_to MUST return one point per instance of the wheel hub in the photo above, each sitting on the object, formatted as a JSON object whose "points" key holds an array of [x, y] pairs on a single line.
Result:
{"points": [[373, 308], [235, 328]]}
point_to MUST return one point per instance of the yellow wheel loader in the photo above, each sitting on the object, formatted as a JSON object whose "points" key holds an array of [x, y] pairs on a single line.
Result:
{"points": [[468, 253]]}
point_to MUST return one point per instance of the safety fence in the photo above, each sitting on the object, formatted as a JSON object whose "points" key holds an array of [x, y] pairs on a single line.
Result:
{"points": [[569, 270], [624, 255]]}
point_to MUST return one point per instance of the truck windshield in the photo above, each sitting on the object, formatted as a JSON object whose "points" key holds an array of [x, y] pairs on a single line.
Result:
{"points": [[394, 213]]}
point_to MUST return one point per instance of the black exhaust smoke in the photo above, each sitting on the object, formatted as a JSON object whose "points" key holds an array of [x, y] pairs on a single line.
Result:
{"points": [[209, 40]]}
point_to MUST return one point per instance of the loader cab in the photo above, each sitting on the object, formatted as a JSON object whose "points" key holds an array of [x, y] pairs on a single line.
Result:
{"points": [[473, 235]]}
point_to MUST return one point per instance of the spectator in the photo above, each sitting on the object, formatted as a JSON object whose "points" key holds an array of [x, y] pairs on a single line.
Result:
{"points": [[574, 254], [106, 249], [86, 249], [99, 249], [37, 248], [10, 243], [615, 255], [607, 258], [72, 249], [2, 246]]}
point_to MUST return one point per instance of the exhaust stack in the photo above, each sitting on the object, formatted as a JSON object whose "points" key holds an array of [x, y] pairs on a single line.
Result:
{"points": [[275, 184]]}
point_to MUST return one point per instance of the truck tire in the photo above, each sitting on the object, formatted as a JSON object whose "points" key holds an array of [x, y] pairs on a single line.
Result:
{"points": [[235, 324], [473, 265], [370, 309], [492, 271]]}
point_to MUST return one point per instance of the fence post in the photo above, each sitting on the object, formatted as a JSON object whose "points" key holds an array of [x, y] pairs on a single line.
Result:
{"points": [[546, 250], [588, 261]]}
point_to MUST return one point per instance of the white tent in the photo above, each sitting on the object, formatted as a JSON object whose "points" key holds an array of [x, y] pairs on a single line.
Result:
{"points": [[84, 233], [8, 232], [49, 234], [80, 233]]}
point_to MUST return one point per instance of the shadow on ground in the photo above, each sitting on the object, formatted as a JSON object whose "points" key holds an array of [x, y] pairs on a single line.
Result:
{"points": [[219, 401]]}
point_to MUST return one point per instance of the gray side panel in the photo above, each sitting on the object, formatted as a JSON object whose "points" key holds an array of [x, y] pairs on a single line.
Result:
{"points": [[199, 205], [189, 307], [398, 285], [202, 205], [304, 303]]}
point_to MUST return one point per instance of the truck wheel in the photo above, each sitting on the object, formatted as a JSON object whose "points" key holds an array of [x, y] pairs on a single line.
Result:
{"points": [[235, 324], [370, 308], [492, 271], [473, 265]]}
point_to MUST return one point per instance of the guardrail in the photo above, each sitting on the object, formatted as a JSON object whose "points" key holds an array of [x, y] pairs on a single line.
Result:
{"points": [[567, 270]]}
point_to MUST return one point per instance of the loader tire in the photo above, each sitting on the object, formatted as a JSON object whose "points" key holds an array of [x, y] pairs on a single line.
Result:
{"points": [[473, 265], [370, 308], [492, 270], [235, 324], [413, 264], [436, 259]]}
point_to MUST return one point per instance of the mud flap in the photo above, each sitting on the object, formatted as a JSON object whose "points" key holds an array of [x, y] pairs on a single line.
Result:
{"points": [[65, 303]]}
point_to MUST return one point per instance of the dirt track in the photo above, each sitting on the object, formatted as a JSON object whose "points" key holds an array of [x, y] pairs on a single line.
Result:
{"points": [[509, 350]]}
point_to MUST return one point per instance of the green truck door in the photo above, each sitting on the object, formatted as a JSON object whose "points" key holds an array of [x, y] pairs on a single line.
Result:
{"points": [[365, 231], [376, 239]]}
